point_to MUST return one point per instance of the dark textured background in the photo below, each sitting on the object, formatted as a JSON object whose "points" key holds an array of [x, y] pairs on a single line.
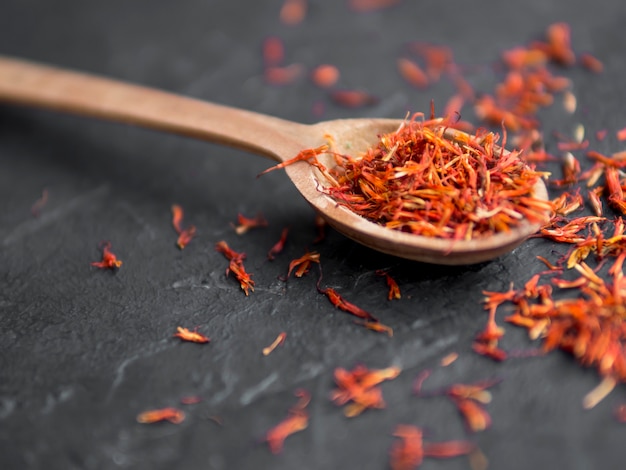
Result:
{"points": [[83, 351]]}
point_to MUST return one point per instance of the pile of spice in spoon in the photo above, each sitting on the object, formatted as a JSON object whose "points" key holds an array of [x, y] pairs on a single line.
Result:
{"points": [[429, 179]]}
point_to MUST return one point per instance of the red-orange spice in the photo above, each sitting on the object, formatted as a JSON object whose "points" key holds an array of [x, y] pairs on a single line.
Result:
{"points": [[412, 72], [448, 359], [283, 74], [528, 84], [280, 339], [522, 57], [593, 197], [568, 202], [191, 336], [616, 160], [558, 44], [190, 400], [592, 63], [297, 420], [486, 342], [409, 451], [353, 98], [184, 235], [109, 259], [394, 289], [527, 87], [273, 51], [615, 188], [476, 417], [364, 6], [428, 180], [439, 60], [293, 12], [342, 304], [358, 388], [303, 264], [246, 223], [173, 415], [307, 155], [236, 266], [454, 105], [376, 326], [325, 75], [279, 245], [589, 324], [468, 398]]}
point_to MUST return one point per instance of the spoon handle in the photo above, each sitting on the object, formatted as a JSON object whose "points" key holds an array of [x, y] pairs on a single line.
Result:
{"points": [[42, 86]]}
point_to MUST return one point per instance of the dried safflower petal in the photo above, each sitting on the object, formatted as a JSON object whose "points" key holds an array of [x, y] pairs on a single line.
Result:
{"points": [[273, 51], [109, 259], [325, 75], [280, 339], [353, 98], [412, 72], [592, 63], [191, 336], [246, 223], [185, 235], [296, 421], [173, 415], [293, 12]]}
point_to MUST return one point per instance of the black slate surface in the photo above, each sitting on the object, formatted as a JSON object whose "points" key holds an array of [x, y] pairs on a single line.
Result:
{"points": [[83, 351]]}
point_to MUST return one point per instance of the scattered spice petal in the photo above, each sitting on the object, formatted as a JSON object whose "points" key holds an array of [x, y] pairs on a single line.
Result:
{"points": [[279, 245], [297, 420], [358, 388], [109, 260], [412, 72], [408, 452], [394, 289], [430, 180], [173, 415], [191, 400], [364, 6], [325, 75], [353, 98], [303, 264], [293, 12], [448, 359], [191, 336], [376, 326], [184, 235], [280, 339], [273, 51], [283, 74], [236, 266], [591, 63], [246, 223]]}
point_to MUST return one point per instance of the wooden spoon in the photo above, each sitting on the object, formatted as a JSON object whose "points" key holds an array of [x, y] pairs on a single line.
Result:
{"points": [[36, 85]]}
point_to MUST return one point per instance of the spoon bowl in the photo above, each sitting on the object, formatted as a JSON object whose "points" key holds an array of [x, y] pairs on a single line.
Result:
{"points": [[31, 84], [354, 136]]}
